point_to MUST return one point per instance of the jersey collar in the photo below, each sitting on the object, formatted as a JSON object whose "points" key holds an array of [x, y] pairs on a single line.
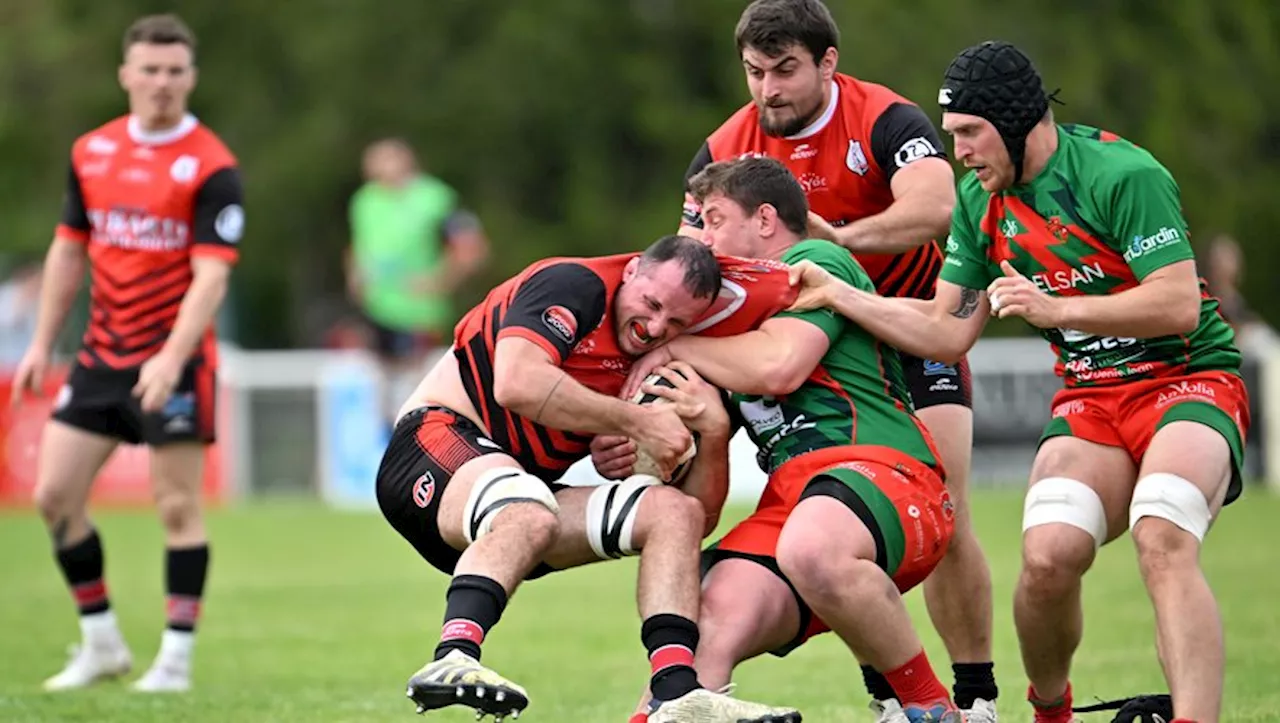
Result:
{"points": [[160, 138], [822, 120]]}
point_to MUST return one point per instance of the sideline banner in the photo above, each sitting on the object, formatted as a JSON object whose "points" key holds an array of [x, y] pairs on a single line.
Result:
{"points": [[125, 479]]}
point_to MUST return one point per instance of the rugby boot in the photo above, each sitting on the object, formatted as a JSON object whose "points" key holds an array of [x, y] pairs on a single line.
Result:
{"points": [[459, 679]]}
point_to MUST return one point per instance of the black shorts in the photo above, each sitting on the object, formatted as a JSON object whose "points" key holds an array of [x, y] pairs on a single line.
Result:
{"points": [[932, 383], [395, 344], [426, 449], [101, 400]]}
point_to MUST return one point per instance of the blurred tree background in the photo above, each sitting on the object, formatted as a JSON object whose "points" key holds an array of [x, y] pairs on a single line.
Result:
{"points": [[567, 125]]}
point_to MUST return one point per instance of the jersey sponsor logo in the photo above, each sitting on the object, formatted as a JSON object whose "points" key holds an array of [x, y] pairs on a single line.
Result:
{"points": [[1141, 245], [944, 385], [101, 145], [752, 154], [811, 182], [859, 467], [1011, 228], [229, 225], [424, 489], [138, 231], [803, 151], [856, 159], [1072, 278], [184, 169], [914, 150], [1185, 392], [561, 322], [934, 369], [133, 174], [952, 245]]}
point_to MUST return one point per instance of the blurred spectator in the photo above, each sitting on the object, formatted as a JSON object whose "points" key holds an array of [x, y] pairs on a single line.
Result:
{"points": [[412, 246], [1223, 273], [19, 298]]}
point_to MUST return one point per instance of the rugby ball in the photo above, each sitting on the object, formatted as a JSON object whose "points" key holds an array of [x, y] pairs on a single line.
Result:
{"points": [[646, 464]]}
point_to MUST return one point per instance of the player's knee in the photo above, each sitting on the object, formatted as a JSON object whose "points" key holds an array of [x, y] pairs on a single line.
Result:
{"points": [[531, 505], [614, 513], [54, 502], [178, 512], [672, 509], [804, 557], [1053, 564]]}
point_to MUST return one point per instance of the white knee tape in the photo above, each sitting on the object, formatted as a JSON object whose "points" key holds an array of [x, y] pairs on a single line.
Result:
{"points": [[1172, 498], [497, 488], [611, 515], [1059, 500]]}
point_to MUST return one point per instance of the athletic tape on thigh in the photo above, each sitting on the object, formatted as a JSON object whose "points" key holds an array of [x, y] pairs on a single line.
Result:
{"points": [[1065, 501], [497, 488], [1172, 498], [612, 510]]}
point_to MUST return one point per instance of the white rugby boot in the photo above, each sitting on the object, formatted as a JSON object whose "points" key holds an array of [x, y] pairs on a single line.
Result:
{"points": [[101, 655], [459, 679]]}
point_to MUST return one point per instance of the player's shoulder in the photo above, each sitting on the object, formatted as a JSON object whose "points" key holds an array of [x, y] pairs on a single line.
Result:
{"points": [[734, 135], [867, 98], [828, 255], [104, 140], [209, 146], [1099, 158]]}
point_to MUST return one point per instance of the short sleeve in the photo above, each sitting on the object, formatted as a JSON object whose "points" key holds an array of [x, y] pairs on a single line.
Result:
{"points": [[74, 222], [692, 213], [966, 262], [556, 308], [219, 215], [1146, 217], [840, 264], [902, 135]]}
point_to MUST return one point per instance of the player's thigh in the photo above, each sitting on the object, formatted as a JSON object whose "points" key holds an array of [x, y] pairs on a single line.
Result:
{"points": [[1186, 472], [1082, 484], [748, 607], [69, 460], [177, 470]]}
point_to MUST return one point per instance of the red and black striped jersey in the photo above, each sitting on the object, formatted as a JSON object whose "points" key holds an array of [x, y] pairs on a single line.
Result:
{"points": [[145, 203], [565, 306], [845, 161]]}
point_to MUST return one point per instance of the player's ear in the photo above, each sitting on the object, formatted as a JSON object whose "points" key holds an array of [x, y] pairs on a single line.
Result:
{"points": [[120, 76], [629, 272], [828, 63], [766, 219]]}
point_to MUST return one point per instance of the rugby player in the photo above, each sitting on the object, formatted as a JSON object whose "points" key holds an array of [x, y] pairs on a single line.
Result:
{"points": [[1081, 233], [153, 209]]}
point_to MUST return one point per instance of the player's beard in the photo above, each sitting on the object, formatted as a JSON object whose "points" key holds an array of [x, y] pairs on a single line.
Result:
{"points": [[797, 123]]}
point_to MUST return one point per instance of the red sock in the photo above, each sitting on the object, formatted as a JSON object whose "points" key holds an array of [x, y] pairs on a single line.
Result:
{"points": [[639, 718], [1056, 711], [916, 684], [1182, 720]]}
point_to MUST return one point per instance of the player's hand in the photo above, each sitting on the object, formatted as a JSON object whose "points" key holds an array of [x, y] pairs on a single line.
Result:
{"points": [[29, 375], [642, 368], [819, 228], [156, 381], [1016, 295], [692, 392], [661, 435], [613, 456], [817, 286]]}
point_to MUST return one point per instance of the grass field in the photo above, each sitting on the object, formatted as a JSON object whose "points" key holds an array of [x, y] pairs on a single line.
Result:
{"points": [[317, 615]]}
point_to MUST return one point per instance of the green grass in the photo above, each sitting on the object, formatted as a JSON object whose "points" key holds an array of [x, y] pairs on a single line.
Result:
{"points": [[317, 615]]}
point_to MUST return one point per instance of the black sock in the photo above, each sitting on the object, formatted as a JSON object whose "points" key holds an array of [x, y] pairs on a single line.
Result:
{"points": [[974, 680], [473, 605], [671, 641], [877, 685], [185, 570], [82, 566]]}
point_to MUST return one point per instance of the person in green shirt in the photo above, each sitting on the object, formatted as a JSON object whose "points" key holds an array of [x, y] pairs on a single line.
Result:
{"points": [[412, 247], [1081, 233]]}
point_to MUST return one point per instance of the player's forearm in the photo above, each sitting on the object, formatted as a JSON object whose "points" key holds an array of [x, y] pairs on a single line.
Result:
{"points": [[708, 479], [915, 326], [546, 394], [1143, 312], [907, 223], [196, 314], [64, 268], [750, 363]]}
